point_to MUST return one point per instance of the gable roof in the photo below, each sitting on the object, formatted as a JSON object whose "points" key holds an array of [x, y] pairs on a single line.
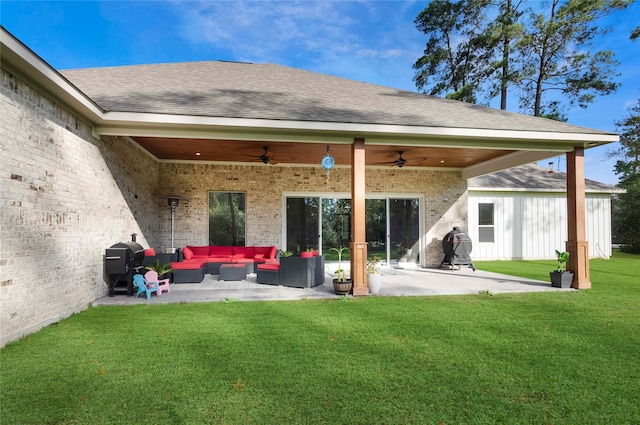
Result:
{"points": [[275, 92], [533, 178]]}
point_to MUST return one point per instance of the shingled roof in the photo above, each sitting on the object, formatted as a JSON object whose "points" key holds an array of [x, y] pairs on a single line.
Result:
{"points": [[533, 177], [275, 92]]}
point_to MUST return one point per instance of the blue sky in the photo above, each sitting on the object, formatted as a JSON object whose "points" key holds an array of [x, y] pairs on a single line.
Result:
{"points": [[371, 41]]}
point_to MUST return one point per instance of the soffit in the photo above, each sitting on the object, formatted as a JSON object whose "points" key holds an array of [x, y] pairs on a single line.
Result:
{"points": [[282, 153]]}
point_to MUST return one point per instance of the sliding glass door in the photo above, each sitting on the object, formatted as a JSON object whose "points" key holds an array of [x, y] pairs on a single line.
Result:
{"points": [[376, 224], [392, 226], [404, 230], [302, 224], [336, 226]]}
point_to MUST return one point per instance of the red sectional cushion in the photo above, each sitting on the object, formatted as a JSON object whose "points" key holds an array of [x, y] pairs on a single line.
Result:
{"points": [[219, 259], [215, 250], [242, 260], [262, 250], [199, 251], [268, 252], [269, 266], [188, 254], [188, 265], [243, 252], [149, 252]]}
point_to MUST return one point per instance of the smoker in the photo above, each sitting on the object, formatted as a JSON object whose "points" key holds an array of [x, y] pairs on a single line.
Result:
{"points": [[457, 248], [122, 261]]}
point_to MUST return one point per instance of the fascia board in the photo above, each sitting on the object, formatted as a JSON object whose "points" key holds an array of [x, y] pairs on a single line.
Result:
{"points": [[160, 125], [27, 63]]}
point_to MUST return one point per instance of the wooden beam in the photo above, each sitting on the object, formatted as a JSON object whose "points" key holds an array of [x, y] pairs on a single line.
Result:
{"points": [[358, 219], [577, 245]]}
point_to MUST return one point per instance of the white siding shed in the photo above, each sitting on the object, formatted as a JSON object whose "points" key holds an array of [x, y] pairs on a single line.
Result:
{"points": [[521, 213]]}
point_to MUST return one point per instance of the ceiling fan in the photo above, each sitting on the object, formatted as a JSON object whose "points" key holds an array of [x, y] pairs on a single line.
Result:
{"points": [[400, 161], [266, 157]]}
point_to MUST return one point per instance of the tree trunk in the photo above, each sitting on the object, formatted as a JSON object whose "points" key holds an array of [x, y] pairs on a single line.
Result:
{"points": [[504, 83]]}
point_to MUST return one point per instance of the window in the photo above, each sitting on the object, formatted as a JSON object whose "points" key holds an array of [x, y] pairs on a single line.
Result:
{"points": [[227, 218], [486, 225]]}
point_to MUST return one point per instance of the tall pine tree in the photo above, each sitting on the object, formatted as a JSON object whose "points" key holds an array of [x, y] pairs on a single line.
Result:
{"points": [[557, 63], [546, 54], [456, 58], [626, 206]]}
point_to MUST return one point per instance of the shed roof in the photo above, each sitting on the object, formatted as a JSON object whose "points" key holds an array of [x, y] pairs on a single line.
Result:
{"points": [[532, 177]]}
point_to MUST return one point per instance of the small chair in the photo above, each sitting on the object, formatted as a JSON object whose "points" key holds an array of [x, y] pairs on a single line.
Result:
{"points": [[143, 286], [163, 284]]}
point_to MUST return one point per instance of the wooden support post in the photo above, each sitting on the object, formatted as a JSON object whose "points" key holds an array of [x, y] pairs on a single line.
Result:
{"points": [[358, 220], [577, 245]]}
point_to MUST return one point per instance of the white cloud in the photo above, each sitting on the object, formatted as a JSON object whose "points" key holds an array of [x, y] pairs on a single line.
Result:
{"points": [[346, 38]]}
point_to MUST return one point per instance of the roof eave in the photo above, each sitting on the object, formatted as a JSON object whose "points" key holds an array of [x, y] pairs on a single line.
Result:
{"points": [[165, 125]]}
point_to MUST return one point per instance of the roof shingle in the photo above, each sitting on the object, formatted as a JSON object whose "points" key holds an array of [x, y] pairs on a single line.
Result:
{"points": [[533, 177], [275, 92]]}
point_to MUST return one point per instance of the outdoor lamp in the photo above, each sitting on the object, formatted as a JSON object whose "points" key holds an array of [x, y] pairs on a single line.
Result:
{"points": [[173, 203]]}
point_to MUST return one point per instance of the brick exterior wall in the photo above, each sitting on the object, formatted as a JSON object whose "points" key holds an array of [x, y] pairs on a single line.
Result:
{"points": [[67, 196], [444, 194]]}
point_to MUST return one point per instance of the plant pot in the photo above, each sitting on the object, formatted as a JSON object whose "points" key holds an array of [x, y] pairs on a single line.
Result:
{"points": [[561, 279], [343, 287], [375, 281]]}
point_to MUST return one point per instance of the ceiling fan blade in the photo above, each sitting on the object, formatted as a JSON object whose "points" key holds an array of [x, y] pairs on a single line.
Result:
{"points": [[385, 163]]}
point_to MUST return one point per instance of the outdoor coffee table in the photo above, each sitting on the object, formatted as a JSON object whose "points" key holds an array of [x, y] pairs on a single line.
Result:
{"points": [[233, 272]]}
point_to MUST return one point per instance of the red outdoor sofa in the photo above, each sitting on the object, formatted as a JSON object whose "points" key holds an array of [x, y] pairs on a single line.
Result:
{"points": [[201, 260]]}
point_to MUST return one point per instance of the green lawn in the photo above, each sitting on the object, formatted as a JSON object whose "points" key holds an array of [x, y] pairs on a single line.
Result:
{"points": [[538, 358]]}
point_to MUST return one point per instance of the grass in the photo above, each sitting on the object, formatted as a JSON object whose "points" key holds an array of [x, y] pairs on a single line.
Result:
{"points": [[536, 358]]}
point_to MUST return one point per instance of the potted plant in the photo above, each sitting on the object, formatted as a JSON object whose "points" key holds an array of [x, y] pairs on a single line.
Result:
{"points": [[341, 285], [286, 253], [373, 274], [161, 269], [310, 252], [560, 277]]}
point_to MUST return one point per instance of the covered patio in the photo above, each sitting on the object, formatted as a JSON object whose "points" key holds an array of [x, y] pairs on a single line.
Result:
{"points": [[94, 155], [397, 282]]}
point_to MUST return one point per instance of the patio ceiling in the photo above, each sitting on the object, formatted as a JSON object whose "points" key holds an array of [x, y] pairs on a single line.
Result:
{"points": [[282, 153]]}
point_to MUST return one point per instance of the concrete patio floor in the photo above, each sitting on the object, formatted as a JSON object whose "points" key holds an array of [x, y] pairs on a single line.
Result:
{"points": [[395, 282]]}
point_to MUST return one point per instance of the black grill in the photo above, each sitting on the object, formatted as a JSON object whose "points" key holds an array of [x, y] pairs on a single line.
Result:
{"points": [[457, 248], [122, 261]]}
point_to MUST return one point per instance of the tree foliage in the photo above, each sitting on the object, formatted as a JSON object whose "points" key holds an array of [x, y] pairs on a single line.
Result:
{"points": [[626, 206], [545, 52], [456, 56], [556, 56], [504, 33]]}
